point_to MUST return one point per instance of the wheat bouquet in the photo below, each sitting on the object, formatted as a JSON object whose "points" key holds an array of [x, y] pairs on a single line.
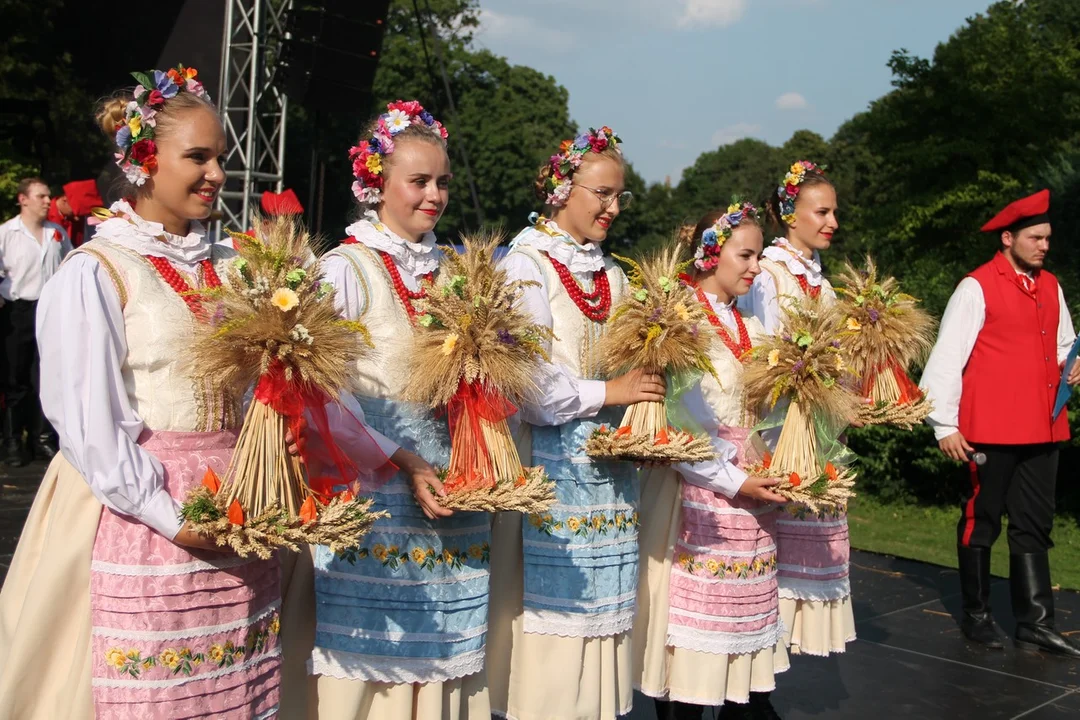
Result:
{"points": [[272, 326], [658, 326], [800, 376], [887, 332], [475, 353]]}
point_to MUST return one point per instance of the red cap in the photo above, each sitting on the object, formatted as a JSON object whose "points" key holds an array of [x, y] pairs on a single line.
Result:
{"points": [[1018, 215], [82, 196], [283, 203]]}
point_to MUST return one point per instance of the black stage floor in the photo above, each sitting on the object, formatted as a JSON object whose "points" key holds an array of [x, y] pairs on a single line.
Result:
{"points": [[910, 660]]}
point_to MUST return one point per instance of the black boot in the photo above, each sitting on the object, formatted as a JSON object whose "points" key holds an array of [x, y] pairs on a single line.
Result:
{"points": [[11, 451], [664, 709], [762, 707], [44, 447], [977, 622], [1033, 606], [671, 710], [736, 711]]}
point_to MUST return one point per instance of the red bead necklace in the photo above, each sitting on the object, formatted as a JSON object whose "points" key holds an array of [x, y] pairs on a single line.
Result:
{"points": [[812, 290], [738, 349], [169, 274], [595, 305], [405, 294]]}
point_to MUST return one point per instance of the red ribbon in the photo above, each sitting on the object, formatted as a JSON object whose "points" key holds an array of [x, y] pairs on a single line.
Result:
{"points": [[909, 391], [295, 399], [470, 462]]}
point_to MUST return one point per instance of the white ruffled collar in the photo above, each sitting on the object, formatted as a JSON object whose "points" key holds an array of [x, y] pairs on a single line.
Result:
{"points": [[127, 229], [783, 252], [724, 311], [417, 259], [548, 237]]}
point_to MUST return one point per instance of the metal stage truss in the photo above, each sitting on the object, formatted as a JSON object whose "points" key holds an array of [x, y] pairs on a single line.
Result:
{"points": [[252, 108]]}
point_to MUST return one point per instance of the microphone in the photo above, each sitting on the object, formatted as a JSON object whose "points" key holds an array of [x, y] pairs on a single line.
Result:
{"points": [[977, 457]]}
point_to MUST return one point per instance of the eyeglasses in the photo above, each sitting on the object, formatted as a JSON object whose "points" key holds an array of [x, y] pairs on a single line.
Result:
{"points": [[625, 197]]}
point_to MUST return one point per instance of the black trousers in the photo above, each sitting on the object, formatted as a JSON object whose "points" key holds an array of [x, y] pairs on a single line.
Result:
{"points": [[20, 372], [1018, 480]]}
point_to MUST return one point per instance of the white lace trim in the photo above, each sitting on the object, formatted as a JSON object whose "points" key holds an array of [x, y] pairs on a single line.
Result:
{"points": [[725, 643], [194, 566], [572, 459], [383, 529], [155, 635], [813, 523], [159, 684], [782, 252], [713, 617], [336, 575], [577, 257], [414, 258], [762, 510], [615, 507], [731, 582], [804, 570], [582, 546], [150, 238], [362, 634], [380, 668], [553, 622], [566, 602], [703, 550], [822, 591]]}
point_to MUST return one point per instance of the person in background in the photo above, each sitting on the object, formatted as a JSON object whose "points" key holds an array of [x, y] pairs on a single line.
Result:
{"points": [[31, 248], [993, 379], [71, 210]]}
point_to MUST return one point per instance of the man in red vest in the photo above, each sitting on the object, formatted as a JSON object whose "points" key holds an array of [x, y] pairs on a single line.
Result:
{"points": [[993, 377]]}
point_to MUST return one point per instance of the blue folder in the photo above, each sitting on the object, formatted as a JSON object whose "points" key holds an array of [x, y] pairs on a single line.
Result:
{"points": [[1064, 389]]}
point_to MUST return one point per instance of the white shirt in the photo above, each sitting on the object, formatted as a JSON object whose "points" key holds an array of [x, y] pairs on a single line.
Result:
{"points": [[82, 343], [28, 261], [960, 327], [762, 301]]}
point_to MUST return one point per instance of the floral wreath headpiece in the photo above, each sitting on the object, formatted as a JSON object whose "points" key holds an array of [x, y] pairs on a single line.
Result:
{"points": [[789, 188], [137, 155], [367, 157], [707, 254], [571, 153]]}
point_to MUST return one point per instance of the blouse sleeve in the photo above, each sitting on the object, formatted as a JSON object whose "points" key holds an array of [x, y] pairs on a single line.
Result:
{"points": [[81, 340], [350, 295], [762, 302], [721, 474], [563, 396]]}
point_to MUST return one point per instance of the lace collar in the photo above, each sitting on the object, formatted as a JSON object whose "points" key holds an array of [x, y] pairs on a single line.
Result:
{"points": [[782, 252], [548, 237], [417, 259], [126, 228]]}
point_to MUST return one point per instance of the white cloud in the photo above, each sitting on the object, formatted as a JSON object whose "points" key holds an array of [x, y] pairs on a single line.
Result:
{"points": [[728, 135], [504, 33], [791, 101], [711, 13]]}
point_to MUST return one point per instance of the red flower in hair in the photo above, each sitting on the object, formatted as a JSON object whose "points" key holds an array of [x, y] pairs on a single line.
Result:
{"points": [[598, 143], [150, 164], [792, 190], [409, 107], [143, 151], [156, 99]]}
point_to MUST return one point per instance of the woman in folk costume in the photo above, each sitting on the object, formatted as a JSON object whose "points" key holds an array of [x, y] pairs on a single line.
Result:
{"points": [[814, 550], [113, 608], [401, 623], [564, 582], [708, 629]]}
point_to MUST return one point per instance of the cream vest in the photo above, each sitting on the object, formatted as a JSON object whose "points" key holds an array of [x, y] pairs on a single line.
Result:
{"points": [[159, 377], [726, 397], [787, 287], [576, 336]]}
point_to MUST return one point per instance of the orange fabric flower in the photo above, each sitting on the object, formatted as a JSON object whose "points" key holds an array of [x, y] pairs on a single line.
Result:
{"points": [[661, 437], [236, 513], [623, 431], [210, 481], [347, 496], [766, 461], [603, 428], [830, 472], [308, 511], [795, 480]]}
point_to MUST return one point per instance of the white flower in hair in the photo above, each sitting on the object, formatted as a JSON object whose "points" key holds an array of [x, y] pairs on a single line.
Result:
{"points": [[397, 120]]}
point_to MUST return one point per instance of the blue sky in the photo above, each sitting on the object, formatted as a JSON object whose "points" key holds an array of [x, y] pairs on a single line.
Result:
{"points": [[678, 77]]}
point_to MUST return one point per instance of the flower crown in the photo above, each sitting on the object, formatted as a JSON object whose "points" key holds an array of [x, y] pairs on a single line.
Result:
{"points": [[571, 153], [707, 255], [367, 157], [789, 188], [137, 155]]}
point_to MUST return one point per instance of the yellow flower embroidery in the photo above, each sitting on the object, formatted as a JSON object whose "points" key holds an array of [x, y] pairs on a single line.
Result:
{"points": [[169, 658], [275, 625], [284, 299], [573, 524], [447, 556], [712, 566], [216, 653], [115, 657], [379, 551], [476, 552], [418, 556], [536, 521]]}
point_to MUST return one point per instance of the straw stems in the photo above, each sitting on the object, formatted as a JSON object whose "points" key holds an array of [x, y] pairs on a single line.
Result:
{"points": [[796, 449], [262, 474], [531, 492], [646, 418]]}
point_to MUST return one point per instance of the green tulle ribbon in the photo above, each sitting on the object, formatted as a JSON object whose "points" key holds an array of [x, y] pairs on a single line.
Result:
{"points": [[827, 431], [678, 416]]}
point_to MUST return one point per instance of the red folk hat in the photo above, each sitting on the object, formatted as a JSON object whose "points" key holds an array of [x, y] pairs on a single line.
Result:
{"points": [[283, 203], [1032, 210]]}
